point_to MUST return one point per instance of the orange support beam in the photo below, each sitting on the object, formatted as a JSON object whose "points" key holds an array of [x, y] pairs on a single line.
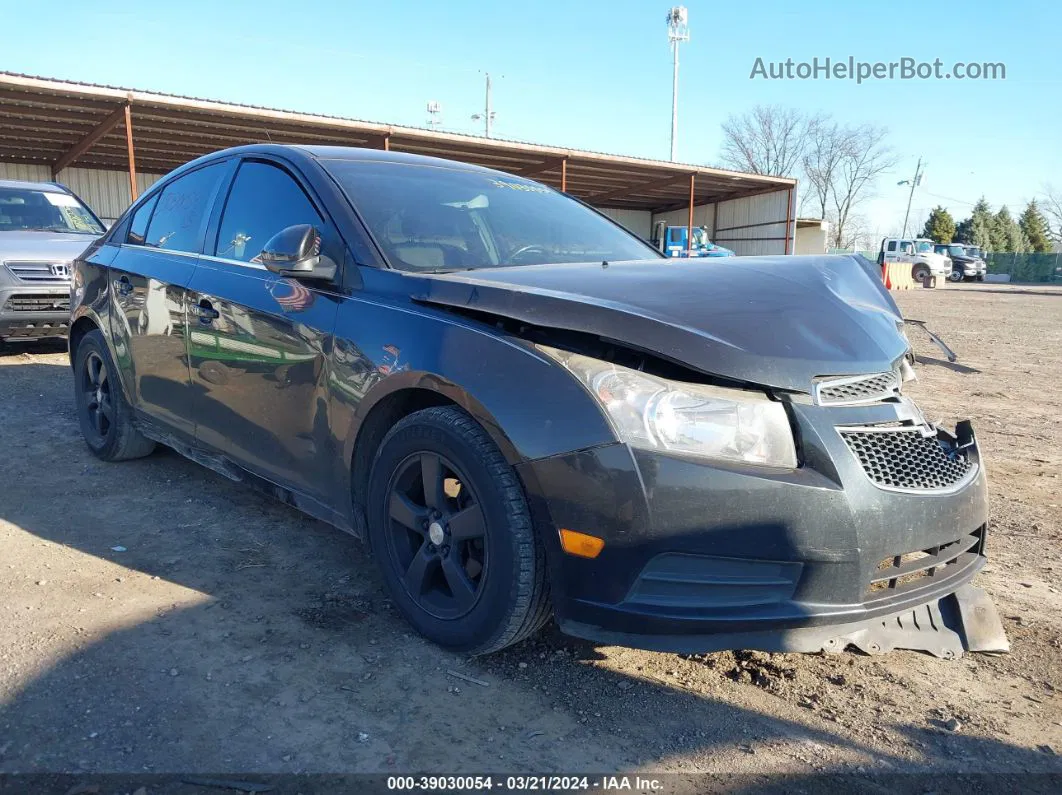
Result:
{"points": [[689, 228], [129, 146], [82, 146], [564, 175]]}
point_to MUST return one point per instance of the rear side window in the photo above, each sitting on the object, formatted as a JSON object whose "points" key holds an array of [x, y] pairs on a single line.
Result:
{"points": [[264, 200], [138, 227], [181, 209], [892, 245]]}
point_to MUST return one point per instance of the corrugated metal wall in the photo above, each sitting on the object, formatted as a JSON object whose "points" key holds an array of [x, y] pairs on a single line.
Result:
{"points": [[638, 221], [703, 215], [755, 224], [106, 192]]}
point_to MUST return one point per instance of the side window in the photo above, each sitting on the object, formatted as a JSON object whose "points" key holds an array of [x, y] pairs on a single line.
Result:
{"points": [[138, 227], [892, 245], [181, 208], [264, 200]]}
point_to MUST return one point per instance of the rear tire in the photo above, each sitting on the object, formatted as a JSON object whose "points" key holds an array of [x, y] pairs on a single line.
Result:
{"points": [[451, 531], [105, 416]]}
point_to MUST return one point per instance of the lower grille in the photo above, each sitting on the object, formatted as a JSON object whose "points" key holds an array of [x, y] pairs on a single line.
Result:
{"points": [[903, 458], [38, 303], [911, 570]]}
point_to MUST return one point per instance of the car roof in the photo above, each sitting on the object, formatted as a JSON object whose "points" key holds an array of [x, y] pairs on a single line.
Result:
{"points": [[48, 187], [325, 154]]}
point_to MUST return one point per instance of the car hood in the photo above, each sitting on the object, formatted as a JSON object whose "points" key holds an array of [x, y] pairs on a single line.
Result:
{"points": [[773, 321], [50, 246]]}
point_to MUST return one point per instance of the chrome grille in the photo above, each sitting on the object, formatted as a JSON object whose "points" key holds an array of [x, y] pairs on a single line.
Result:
{"points": [[40, 272], [38, 303], [905, 459], [857, 389]]}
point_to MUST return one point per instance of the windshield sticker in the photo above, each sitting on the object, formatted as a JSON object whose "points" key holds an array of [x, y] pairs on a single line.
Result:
{"points": [[521, 186], [61, 199]]}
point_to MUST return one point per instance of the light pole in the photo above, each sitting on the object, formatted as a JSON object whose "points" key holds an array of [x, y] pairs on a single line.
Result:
{"points": [[488, 113], [678, 31], [914, 183]]}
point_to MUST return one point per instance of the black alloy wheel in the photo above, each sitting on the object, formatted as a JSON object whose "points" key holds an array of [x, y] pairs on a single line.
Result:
{"points": [[452, 533], [437, 535], [96, 393], [104, 414]]}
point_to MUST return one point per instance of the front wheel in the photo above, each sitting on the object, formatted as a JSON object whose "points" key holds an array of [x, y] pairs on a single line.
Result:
{"points": [[980, 277], [956, 276], [452, 533], [105, 416], [920, 274]]}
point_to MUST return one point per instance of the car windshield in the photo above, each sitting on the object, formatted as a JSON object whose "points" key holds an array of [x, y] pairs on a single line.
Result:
{"points": [[956, 251], [430, 218], [973, 251], [923, 246], [29, 210]]}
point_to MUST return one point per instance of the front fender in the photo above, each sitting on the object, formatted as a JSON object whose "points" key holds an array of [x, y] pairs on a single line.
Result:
{"points": [[530, 405]]}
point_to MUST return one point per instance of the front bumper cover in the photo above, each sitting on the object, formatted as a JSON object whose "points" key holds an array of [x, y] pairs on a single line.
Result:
{"points": [[707, 556]]}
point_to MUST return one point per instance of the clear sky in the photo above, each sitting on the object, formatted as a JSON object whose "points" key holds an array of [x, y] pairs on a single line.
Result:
{"points": [[596, 74]]}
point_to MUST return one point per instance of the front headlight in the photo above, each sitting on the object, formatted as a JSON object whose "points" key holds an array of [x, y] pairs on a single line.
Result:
{"points": [[693, 419]]}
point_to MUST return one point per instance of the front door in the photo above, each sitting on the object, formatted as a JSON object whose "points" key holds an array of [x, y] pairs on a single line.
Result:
{"points": [[259, 343], [148, 280]]}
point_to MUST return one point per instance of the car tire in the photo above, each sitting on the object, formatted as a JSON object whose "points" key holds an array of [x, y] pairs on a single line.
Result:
{"points": [[955, 276], [980, 277], [105, 416], [460, 558], [920, 274]]}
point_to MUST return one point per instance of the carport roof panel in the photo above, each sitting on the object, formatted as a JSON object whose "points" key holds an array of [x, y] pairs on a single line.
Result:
{"points": [[41, 119]]}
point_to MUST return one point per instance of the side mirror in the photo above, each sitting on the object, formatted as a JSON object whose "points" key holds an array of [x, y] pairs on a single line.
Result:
{"points": [[296, 251]]}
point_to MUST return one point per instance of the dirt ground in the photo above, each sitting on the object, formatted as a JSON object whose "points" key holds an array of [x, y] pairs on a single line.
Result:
{"points": [[157, 618]]}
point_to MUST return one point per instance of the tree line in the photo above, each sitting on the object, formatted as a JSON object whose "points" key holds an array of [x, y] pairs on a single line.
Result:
{"points": [[999, 231], [838, 165]]}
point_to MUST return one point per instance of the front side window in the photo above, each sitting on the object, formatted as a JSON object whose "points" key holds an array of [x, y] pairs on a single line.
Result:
{"points": [[138, 226], [264, 200], [427, 218], [181, 209], [30, 210]]}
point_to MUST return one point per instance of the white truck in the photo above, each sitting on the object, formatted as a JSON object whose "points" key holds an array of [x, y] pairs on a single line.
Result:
{"points": [[919, 252]]}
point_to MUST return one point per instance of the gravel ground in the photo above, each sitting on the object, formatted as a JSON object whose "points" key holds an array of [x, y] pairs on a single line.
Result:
{"points": [[157, 618]]}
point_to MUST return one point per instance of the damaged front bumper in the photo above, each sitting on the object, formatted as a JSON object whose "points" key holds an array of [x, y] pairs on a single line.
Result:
{"points": [[704, 556]]}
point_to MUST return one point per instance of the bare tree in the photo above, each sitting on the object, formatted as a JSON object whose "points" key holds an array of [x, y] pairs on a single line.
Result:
{"points": [[825, 149], [841, 165], [1052, 208], [769, 139]]}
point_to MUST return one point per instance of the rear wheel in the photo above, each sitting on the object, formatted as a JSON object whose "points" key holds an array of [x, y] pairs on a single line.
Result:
{"points": [[106, 418], [451, 531]]}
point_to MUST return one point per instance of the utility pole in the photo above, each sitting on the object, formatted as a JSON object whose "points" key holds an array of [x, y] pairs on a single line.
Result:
{"points": [[678, 31], [488, 112], [913, 183]]}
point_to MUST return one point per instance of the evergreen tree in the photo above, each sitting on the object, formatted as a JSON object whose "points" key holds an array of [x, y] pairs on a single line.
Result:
{"points": [[940, 226], [1035, 228], [964, 231], [1006, 235], [981, 226]]}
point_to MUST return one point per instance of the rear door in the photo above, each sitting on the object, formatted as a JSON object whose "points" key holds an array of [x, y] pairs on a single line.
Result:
{"points": [[259, 343], [148, 280]]}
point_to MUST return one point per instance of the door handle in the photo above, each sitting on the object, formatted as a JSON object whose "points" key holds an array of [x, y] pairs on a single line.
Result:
{"points": [[206, 311], [124, 286]]}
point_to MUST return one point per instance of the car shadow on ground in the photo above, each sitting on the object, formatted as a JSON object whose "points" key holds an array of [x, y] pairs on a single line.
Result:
{"points": [[954, 366], [161, 618]]}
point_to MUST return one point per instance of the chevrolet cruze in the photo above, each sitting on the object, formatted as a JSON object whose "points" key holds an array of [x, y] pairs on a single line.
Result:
{"points": [[527, 411]]}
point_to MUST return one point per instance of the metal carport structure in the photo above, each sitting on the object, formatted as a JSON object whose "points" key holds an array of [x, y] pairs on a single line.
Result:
{"points": [[60, 125]]}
